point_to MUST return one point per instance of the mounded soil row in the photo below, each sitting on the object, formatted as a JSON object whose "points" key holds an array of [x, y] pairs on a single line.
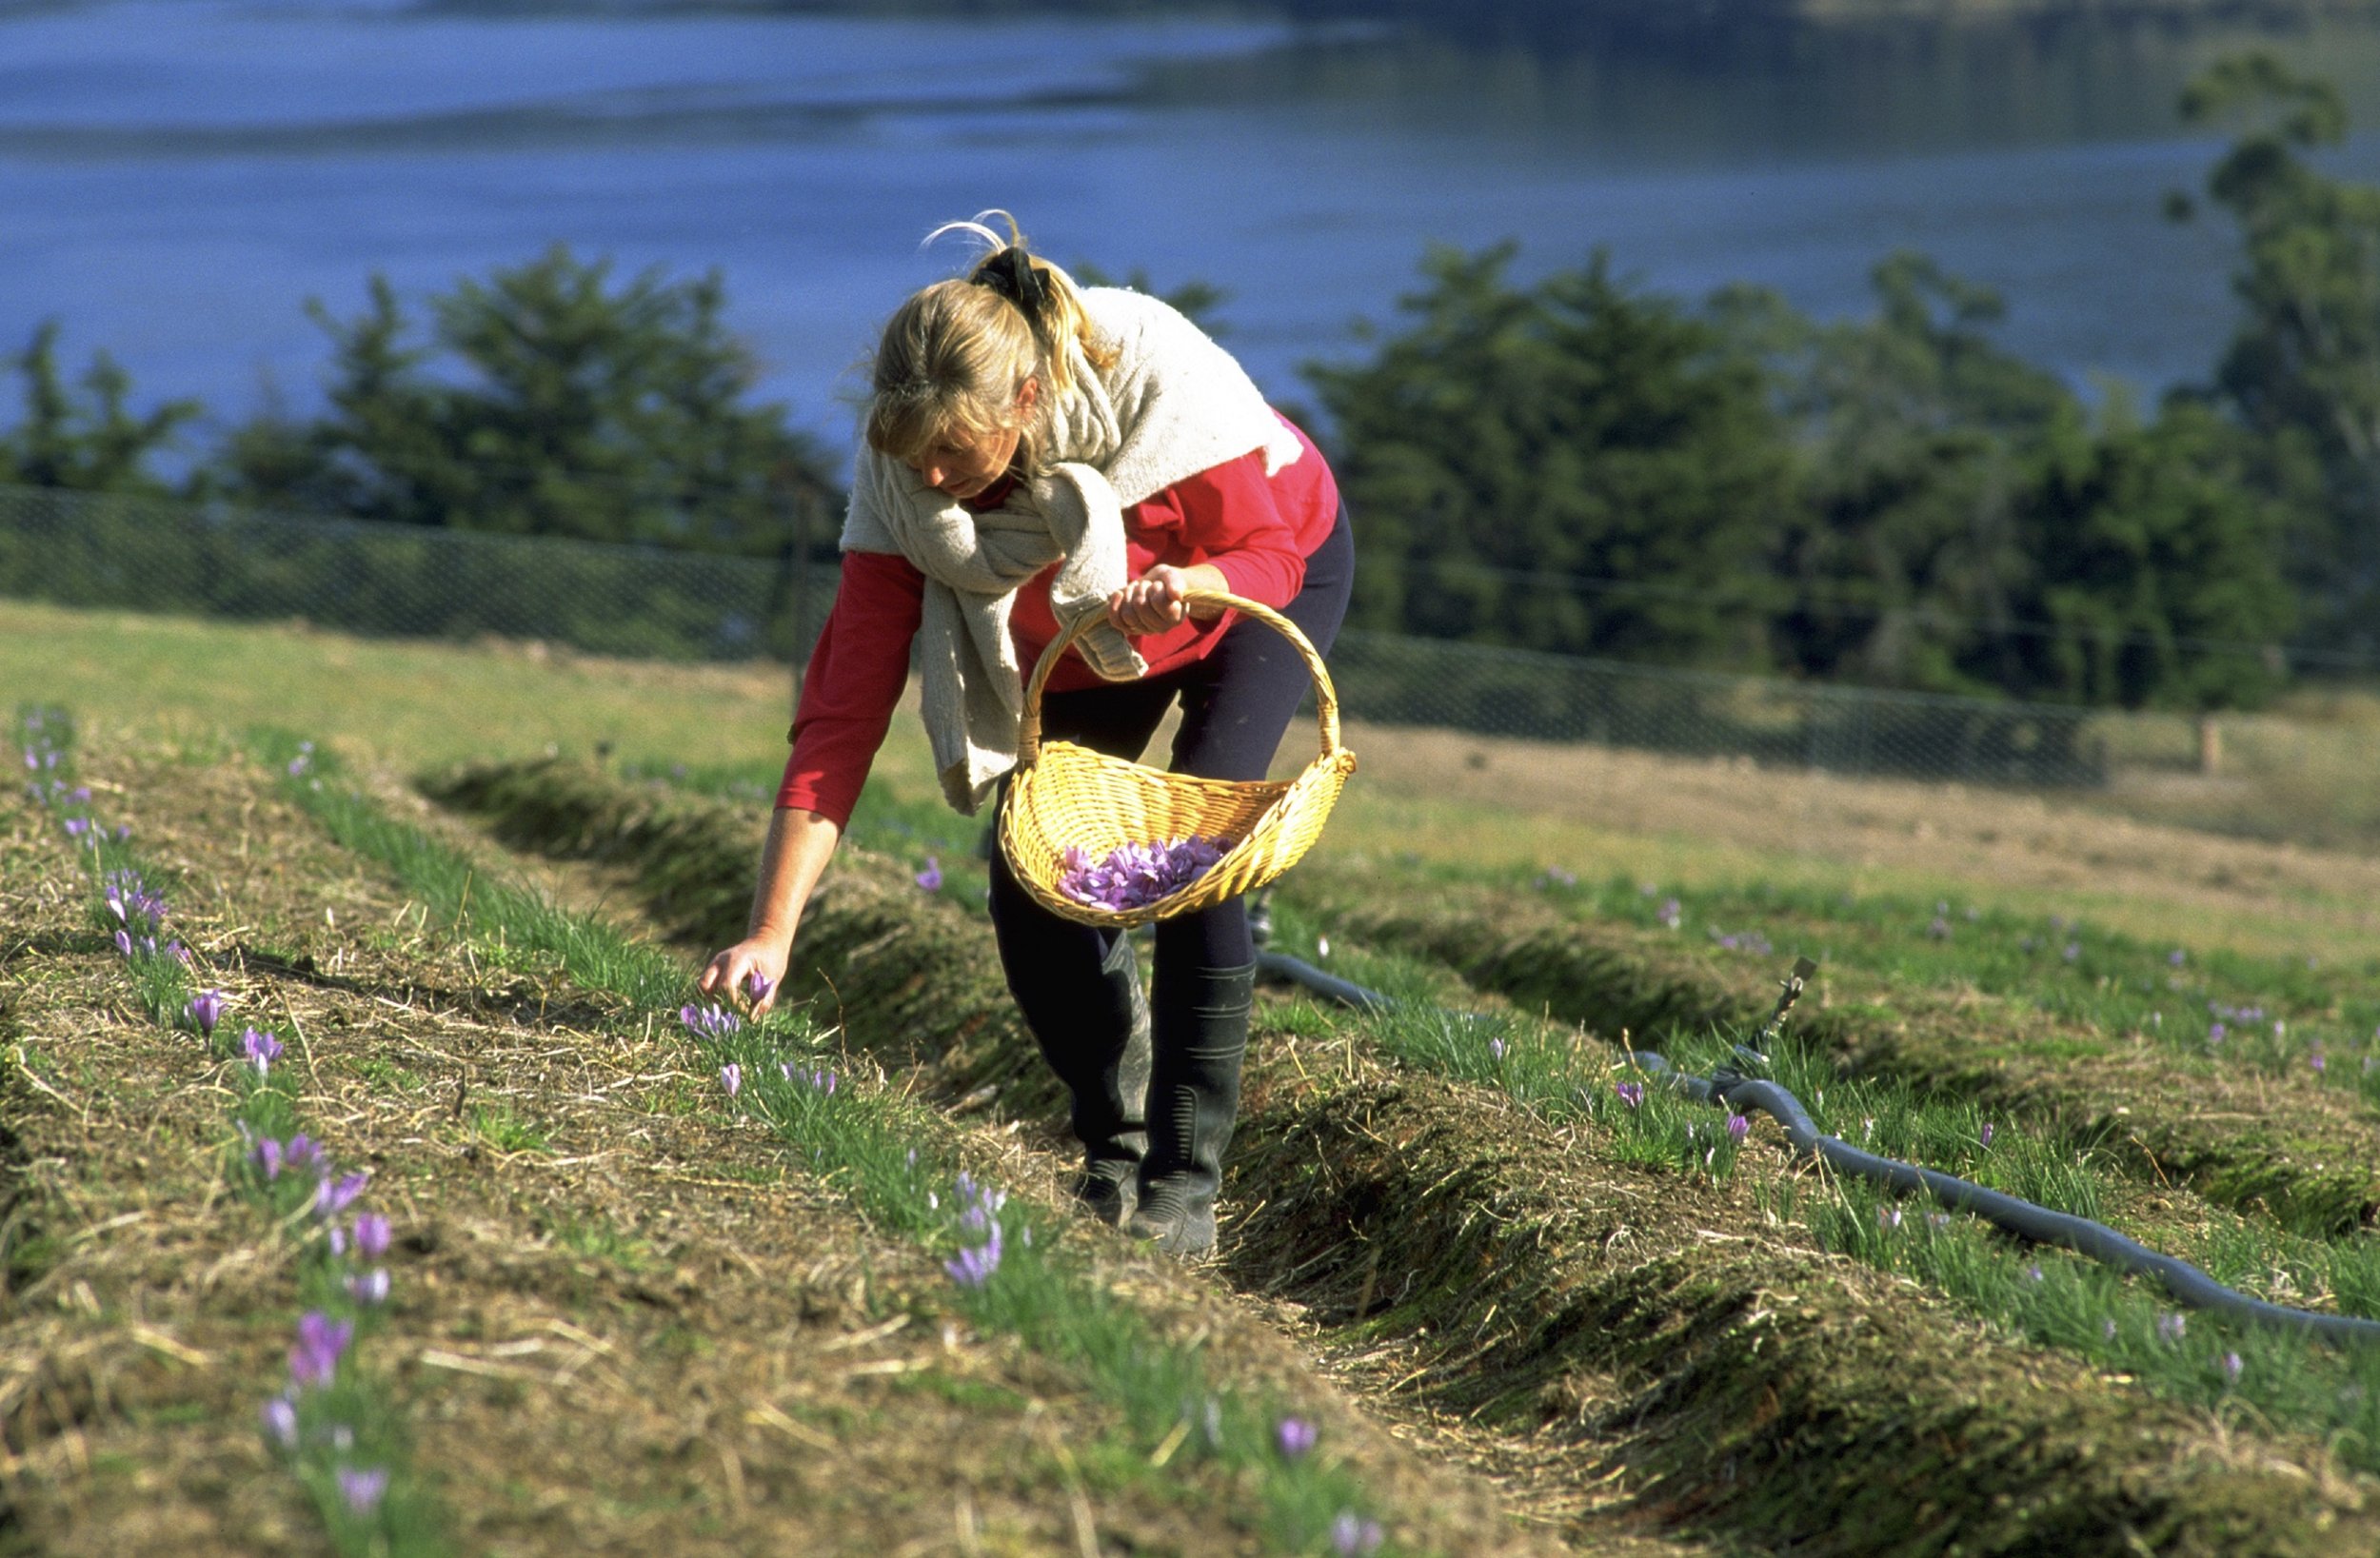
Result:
{"points": [[1628, 1330], [2307, 1155], [622, 1322]]}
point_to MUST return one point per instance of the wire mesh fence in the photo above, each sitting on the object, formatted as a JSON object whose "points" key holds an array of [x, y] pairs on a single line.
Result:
{"points": [[87, 550]]}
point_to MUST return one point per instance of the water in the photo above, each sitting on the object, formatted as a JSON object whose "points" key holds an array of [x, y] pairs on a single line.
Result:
{"points": [[181, 175]]}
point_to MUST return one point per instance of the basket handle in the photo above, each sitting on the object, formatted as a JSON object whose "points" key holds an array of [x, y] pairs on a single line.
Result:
{"points": [[1326, 697]]}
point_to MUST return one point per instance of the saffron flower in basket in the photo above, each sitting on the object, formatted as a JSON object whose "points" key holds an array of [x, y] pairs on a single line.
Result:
{"points": [[1135, 876]]}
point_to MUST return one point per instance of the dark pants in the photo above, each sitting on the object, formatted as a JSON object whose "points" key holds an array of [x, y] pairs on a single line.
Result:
{"points": [[1236, 704]]}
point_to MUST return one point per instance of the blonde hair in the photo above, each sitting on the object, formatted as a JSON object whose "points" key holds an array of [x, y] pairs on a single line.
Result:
{"points": [[955, 357]]}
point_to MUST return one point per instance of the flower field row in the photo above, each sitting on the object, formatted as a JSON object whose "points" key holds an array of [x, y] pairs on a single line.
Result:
{"points": [[330, 1420], [1011, 1267]]}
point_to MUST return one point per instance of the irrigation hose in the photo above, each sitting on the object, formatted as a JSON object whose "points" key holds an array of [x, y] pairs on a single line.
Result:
{"points": [[1729, 1087]]}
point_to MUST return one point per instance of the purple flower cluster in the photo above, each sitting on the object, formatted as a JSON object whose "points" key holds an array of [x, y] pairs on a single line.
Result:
{"points": [[817, 1080], [138, 915], [322, 1342], [1631, 1094], [713, 1022], [1135, 876], [299, 1151], [133, 905], [260, 1050], [976, 1209], [1295, 1436], [357, 1245], [1353, 1537], [1751, 941]]}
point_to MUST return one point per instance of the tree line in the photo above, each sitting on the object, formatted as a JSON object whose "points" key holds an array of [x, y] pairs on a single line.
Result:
{"points": [[1579, 464]]}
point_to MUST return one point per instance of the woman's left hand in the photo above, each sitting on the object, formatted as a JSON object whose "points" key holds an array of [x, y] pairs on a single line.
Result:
{"points": [[1157, 600], [1150, 604]]}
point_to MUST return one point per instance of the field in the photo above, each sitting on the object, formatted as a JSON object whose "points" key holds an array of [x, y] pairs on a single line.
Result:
{"points": [[555, 1270]]}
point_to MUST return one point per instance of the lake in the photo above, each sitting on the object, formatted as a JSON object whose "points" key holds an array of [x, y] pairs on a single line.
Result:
{"points": [[182, 175]]}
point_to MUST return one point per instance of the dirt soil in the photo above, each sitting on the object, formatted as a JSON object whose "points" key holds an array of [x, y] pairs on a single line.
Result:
{"points": [[619, 1323], [1641, 1354]]}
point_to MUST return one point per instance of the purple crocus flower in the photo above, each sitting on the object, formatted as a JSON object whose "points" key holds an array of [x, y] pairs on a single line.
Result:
{"points": [[261, 1048], [731, 1078], [713, 1022], [334, 1196], [1631, 1094], [2215, 1032], [931, 880], [77, 826], [975, 1263], [1496, 1048], [1985, 1134], [2177, 957], [2232, 1364], [280, 1415], [372, 1235], [1295, 1435], [1133, 875], [2171, 1327], [757, 985], [205, 1008], [370, 1286], [124, 942], [266, 1155], [304, 1152], [1355, 1538], [321, 1343], [362, 1490], [1738, 1126]]}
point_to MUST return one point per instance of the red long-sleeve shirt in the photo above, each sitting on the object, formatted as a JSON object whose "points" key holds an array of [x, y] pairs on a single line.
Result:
{"points": [[1257, 531]]}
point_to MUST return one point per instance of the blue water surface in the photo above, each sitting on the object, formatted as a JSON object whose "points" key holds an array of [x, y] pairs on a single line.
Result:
{"points": [[181, 175]]}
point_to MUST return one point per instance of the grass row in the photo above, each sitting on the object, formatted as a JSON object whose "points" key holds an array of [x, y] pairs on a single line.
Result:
{"points": [[333, 1420], [2043, 1295], [2279, 1015], [888, 1155]]}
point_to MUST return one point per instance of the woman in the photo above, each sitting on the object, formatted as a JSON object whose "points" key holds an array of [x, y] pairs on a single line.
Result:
{"points": [[1035, 450]]}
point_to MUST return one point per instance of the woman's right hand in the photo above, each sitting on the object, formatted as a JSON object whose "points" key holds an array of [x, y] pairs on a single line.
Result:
{"points": [[798, 845], [732, 974]]}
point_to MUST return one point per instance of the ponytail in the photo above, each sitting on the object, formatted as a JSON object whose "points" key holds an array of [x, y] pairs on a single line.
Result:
{"points": [[956, 356]]}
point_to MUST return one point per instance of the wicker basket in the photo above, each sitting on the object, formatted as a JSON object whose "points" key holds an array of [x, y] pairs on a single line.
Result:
{"points": [[1064, 796]]}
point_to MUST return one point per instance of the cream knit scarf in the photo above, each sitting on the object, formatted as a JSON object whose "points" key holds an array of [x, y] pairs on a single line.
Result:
{"points": [[1174, 404]]}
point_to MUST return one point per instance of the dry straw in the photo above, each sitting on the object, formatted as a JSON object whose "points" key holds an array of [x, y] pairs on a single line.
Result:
{"points": [[1066, 796]]}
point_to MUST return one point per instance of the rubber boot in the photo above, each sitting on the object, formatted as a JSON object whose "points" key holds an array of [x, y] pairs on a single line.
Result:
{"points": [[1104, 1064], [1200, 1038]]}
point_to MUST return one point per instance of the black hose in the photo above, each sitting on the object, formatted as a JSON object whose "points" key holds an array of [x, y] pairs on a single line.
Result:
{"points": [[1297, 971], [1730, 1089]]}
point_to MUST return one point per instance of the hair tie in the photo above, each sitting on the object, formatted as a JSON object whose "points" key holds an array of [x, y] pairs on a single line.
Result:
{"points": [[1011, 274]]}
